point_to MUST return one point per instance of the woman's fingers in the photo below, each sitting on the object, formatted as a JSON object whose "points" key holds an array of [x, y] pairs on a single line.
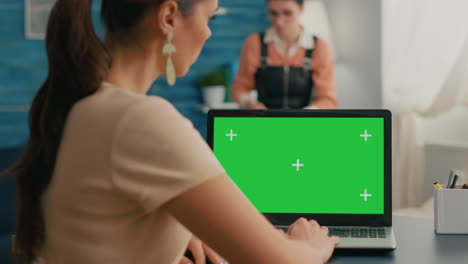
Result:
{"points": [[314, 234], [213, 256], [314, 223], [282, 232], [324, 228], [300, 228], [306, 230], [335, 240], [291, 227], [185, 260], [200, 252], [196, 247]]}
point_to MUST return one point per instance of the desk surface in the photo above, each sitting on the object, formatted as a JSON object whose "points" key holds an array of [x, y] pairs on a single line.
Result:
{"points": [[417, 243]]}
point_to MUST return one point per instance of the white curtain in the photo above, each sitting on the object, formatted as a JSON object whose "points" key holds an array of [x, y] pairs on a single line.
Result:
{"points": [[315, 19], [425, 74]]}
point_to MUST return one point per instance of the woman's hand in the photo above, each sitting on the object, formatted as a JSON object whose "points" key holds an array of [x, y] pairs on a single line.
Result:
{"points": [[255, 105], [314, 235], [200, 251]]}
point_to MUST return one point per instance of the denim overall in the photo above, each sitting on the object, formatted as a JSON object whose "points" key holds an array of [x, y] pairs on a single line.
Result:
{"points": [[283, 87]]}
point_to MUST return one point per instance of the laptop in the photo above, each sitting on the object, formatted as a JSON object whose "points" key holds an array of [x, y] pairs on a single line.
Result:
{"points": [[333, 166]]}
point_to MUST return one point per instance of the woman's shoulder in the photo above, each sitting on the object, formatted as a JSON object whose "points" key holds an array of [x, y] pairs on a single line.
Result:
{"points": [[151, 116], [253, 39], [154, 101], [323, 47], [134, 101], [252, 47], [319, 41], [125, 106], [152, 107]]}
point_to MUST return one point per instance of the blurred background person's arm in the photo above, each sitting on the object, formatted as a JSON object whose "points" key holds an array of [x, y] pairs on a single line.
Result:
{"points": [[323, 75], [244, 82]]}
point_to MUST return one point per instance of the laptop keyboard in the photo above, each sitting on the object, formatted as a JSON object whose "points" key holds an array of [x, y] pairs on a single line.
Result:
{"points": [[354, 232], [358, 232]]}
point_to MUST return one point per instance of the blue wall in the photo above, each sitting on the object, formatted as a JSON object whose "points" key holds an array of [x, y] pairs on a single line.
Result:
{"points": [[23, 63]]}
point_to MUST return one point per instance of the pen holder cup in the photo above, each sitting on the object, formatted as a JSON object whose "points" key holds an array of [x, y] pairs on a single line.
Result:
{"points": [[451, 211]]}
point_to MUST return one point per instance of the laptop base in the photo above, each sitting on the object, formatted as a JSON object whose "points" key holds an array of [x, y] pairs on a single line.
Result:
{"points": [[362, 251]]}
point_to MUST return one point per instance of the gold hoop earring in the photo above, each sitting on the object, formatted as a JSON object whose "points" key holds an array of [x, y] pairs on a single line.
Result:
{"points": [[168, 50]]}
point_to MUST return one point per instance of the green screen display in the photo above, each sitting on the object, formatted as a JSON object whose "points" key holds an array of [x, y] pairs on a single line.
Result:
{"points": [[319, 165]]}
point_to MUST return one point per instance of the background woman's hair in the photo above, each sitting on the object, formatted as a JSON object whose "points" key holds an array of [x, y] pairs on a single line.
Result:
{"points": [[300, 2], [78, 63]]}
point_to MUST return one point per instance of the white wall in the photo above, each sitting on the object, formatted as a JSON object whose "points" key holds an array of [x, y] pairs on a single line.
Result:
{"points": [[446, 147], [448, 129], [357, 29]]}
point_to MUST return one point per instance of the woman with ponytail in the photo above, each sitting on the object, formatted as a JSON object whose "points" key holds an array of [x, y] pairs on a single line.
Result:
{"points": [[111, 175]]}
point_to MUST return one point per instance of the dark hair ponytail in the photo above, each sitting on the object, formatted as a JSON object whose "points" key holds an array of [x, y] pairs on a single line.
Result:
{"points": [[78, 63]]}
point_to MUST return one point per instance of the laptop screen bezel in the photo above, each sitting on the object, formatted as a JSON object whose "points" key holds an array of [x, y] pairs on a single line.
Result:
{"points": [[384, 219]]}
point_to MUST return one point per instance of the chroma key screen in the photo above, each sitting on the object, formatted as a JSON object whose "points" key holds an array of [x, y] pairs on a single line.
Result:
{"points": [[323, 165]]}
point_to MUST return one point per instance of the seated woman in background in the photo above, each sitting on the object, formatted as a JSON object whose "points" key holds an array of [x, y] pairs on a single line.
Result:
{"points": [[288, 66], [111, 175]]}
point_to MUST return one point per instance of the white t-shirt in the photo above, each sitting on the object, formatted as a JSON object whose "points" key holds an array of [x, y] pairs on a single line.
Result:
{"points": [[122, 157]]}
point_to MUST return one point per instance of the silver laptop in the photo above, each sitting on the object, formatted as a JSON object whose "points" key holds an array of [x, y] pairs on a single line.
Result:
{"points": [[333, 166]]}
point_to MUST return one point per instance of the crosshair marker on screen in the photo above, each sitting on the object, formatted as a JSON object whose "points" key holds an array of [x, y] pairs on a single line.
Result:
{"points": [[231, 134], [365, 195], [298, 165], [365, 135]]}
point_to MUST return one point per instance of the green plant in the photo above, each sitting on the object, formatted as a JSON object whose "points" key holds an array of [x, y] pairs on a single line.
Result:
{"points": [[212, 79]]}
